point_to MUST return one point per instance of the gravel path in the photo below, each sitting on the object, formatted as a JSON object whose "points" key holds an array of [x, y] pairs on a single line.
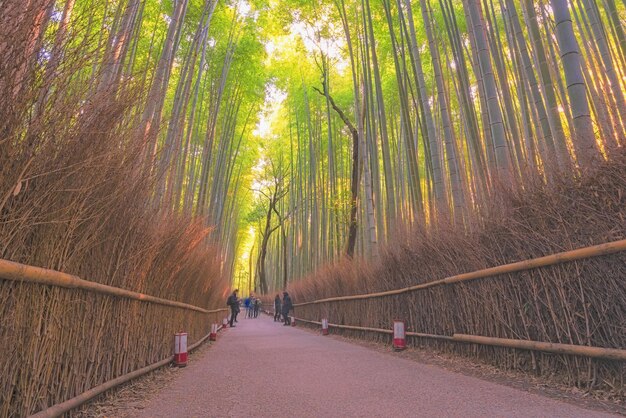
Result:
{"points": [[264, 369]]}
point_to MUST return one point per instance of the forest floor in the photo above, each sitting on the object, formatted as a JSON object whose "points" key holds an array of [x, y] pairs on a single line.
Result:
{"points": [[261, 368]]}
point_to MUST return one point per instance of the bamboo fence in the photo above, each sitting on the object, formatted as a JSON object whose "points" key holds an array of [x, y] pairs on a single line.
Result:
{"points": [[24, 273], [509, 315], [571, 349], [104, 334], [549, 260], [64, 407]]}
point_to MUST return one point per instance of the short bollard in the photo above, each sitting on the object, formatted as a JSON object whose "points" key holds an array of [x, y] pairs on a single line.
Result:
{"points": [[225, 322], [324, 326], [180, 349], [293, 321], [213, 334], [399, 335]]}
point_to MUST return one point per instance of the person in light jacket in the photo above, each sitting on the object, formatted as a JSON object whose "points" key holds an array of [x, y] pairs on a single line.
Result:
{"points": [[277, 308], [287, 306]]}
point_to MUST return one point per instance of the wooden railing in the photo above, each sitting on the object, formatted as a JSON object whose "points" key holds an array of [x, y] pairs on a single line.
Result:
{"points": [[64, 407], [618, 354], [549, 260], [24, 273]]}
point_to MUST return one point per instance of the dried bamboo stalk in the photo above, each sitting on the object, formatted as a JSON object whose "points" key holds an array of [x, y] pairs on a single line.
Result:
{"points": [[355, 328], [10, 270], [64, 407], [431, 336], [549, 260], [60, 409]]}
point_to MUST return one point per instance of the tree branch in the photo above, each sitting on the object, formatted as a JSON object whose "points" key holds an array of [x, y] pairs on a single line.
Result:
{"points": [[342, 115]]}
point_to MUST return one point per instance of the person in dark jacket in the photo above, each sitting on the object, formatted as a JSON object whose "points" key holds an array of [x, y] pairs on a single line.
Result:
{"points": [[233, 302], [277, 308], [257, 307], [287, 306]]}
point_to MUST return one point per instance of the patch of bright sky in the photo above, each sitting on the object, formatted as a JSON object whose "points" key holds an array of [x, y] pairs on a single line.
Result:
{"points": [[332, 47], [309, 33], [56, 16], [243, 8], [274, 98], [267, 118], [241, 278]]}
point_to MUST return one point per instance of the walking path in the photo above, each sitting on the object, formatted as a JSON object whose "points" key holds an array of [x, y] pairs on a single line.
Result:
{"points": [[264, 369]]}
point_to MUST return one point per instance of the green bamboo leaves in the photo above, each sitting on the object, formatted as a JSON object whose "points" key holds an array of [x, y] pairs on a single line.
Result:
{"points": [[438, 105]]}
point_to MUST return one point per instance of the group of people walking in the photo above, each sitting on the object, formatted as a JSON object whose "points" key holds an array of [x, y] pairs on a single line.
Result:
{"points": [[282, 308], [253, 307], [251, 303]]}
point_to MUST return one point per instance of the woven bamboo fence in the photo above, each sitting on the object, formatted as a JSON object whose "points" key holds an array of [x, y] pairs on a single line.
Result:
{"points": [[472, 281], [507, 315], [75, 335]]}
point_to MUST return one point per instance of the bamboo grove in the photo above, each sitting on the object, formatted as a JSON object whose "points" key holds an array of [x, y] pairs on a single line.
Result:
{"points": [[378, 115], [189, 74], [381, 114], [180, 147], [392, 113], [124, 130]]}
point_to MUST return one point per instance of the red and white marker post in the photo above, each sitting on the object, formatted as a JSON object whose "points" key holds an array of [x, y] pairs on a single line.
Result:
{"points": [[324, 326], [180, 349], [399, 335], [293, 321], [213, 334], [225, 322]]}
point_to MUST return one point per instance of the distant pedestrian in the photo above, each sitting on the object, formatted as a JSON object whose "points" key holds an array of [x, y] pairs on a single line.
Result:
{"points": [[246, 304], [277, 308], [287, 306], [257, 307], [233, 303]]}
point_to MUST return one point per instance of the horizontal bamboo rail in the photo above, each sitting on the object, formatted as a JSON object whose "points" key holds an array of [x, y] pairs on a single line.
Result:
{"points": [[571, 349], [64, 407], [431, 336], [307, 321], [549, 260], [10, 270], [557, 348], [379, 330], [350, 327]]}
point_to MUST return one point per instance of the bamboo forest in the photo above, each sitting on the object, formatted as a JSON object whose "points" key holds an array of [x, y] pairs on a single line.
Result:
{"points": [[350, 152]]}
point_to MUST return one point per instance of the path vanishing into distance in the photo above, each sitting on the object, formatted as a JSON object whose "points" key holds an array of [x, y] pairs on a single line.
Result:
{"points": [[264, 369]]}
